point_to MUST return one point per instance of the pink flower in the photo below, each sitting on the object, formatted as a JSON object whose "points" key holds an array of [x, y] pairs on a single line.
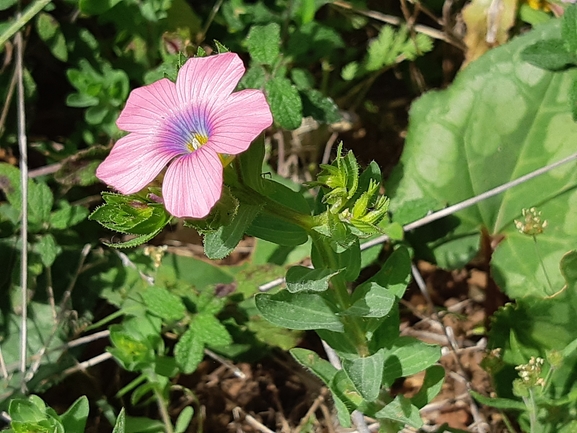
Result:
{"points": [[187, 125]]}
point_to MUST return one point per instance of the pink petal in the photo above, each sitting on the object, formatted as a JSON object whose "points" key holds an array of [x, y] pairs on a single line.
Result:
{"points": [[204, 80], [193, 184], [148, 106], [239, 121], [133, 163]]}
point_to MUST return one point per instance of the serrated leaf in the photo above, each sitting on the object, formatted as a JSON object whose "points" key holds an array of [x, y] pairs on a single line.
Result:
{"points": [[550, 54], [10, 184], [285, 102], [189, 351], [220, 243], [47, 249], [67, 216], [264, 43], [160, 302], [401, 410], [298, 311], [210, 331], [506, 119], [366, 373], [40, 200], [319, 107], [301, 278]]}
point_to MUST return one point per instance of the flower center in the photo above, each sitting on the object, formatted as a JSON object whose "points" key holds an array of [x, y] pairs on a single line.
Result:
{"points": [[196, 141]]}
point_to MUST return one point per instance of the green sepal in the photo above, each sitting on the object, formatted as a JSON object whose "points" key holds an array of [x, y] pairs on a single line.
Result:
{"points": [[131, 214]]}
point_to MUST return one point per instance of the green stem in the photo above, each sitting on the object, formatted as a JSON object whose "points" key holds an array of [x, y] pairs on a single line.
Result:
{"points": [[342, 297], [551, 290], [530, 403], [27, 15], [168, 428]]}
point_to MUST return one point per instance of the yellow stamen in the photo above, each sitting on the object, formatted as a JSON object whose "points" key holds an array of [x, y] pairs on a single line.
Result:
{"points": [[196, 142]]}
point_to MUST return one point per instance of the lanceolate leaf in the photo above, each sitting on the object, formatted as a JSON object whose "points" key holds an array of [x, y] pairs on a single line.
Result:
{"points": [[298, 311], [501, 118]]}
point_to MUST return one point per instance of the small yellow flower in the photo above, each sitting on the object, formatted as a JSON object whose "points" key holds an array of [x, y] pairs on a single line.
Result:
{"points": [[532, 224]]}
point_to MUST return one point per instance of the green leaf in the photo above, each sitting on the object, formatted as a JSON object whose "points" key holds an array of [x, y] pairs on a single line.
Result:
{"points": [[49, 31], [395, 274], [569, 28], [321, 108], [408, 356], [67, 216], [285, 102], [344, 389], [298, 311], [301, 278], [366, 373], [184, 419], [163, 304], [499, 403], [311, 360], [74, 419], [371, 300], [210, 330], [40, 202], [80, 168], [401, 410], [96, 7], [302, 79], [10, 184], [189, 351], [548, 54], [432, 384], [47, 249], [220, 243], [119, 425], [264, 43], [506, 119], [5, 4]]}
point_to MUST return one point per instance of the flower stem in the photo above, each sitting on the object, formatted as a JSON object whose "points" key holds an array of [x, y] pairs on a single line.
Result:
{"points": [[160, 401], [551, 290], [341, 294]]}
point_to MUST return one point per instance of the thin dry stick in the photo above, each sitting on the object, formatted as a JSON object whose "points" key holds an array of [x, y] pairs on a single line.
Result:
{"points": [[472, 201], [259, 426], [60, 317], [9, 96], [396, 21], [3, 365], [22, 146], [226, 363], [209, 20], [479, 421], [310, 412], [86, 364]]}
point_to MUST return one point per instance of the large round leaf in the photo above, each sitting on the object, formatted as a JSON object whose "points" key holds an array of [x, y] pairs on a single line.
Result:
{"points": [[500, 119]]}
